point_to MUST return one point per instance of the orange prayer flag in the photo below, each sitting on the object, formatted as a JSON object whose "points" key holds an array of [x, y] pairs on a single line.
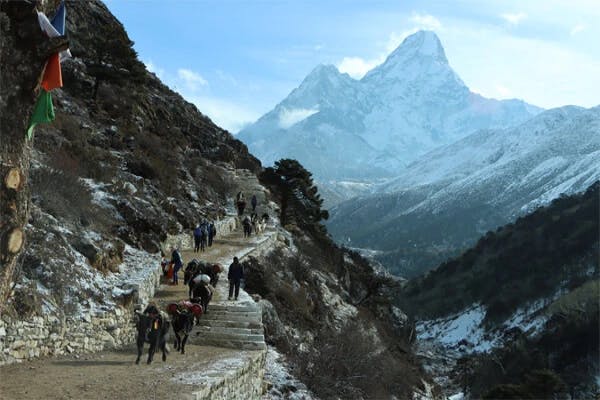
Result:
{"points": [[52, 74]]}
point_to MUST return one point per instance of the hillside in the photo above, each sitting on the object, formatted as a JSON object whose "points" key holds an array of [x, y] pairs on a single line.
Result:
{"points": [[531, 287], [125, 162], [327, 308], [127, 166], [346, 129], [443, 202]]}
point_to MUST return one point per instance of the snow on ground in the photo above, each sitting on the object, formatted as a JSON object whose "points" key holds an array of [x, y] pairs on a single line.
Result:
{"points": [[456, 328], [527, 318], [99, 194], [285, 385]]}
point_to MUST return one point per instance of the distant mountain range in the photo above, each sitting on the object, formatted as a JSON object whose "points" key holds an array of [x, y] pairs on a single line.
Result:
{"points": [[530, 288], [345, 129], [451, 196]]}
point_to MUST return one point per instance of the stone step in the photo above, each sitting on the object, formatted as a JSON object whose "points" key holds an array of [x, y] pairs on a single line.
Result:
{"points": [[228, 317], [235, 344], [221, 329], [230, 336], [230, 324], [242, 314], [222, 307]]}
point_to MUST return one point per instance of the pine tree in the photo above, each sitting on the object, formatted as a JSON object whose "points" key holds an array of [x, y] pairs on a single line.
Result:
{"points": [[299, 197]]}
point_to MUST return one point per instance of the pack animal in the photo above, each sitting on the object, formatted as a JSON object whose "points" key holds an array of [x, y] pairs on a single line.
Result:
{"points": [[183, 322], [202, 295], [260, 224], [152, 328]]}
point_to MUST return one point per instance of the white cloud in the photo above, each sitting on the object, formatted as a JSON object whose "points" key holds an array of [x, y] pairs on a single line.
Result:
{"points": [[226, 114], [542, 72], [357, 67], [426, 21], [190, 79], [577, 28], [289, 117], [514, 19], [150, 66]]}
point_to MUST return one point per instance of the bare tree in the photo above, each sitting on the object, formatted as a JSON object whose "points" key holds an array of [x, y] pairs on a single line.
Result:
{"points": [[24, 50]]}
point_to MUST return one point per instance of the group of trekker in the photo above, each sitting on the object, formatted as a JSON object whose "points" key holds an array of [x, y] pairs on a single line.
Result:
{"points": [[204, 233], [235, 275]]}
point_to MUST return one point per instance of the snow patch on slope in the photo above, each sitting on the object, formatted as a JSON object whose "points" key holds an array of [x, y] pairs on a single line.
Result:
{"points": [[452, 330]]}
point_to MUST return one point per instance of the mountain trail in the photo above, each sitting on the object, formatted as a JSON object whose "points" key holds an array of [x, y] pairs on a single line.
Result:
{"points": [[114, 375]]}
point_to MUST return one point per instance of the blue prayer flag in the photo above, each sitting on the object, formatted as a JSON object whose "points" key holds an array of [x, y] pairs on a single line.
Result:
{"points": [[58, 22]]}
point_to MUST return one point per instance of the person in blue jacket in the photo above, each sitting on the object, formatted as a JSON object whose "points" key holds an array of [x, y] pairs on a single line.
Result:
{"points": [[235, 275], [197, 238], [177, 264]]}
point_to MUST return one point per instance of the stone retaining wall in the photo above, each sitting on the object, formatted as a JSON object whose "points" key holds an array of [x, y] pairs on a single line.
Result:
{"points": [[241, 383], [54, 334]]}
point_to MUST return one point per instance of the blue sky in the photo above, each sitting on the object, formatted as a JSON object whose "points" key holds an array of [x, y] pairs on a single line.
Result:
{"points": [[237, 59]]}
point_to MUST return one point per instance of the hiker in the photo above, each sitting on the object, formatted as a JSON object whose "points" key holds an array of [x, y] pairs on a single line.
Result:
{"points": [[240, 203], [253, 202], [247, 225], [235, 275], [177, 263], [197, 238], [204, 237], [212, 232]]}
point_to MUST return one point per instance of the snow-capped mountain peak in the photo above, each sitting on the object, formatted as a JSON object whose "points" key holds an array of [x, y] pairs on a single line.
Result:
{"points": [[371, 128], [419, 61], [420, 44]]}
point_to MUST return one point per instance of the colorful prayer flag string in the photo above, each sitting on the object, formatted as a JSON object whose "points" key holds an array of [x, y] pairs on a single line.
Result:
{"points": [[43, 111]]}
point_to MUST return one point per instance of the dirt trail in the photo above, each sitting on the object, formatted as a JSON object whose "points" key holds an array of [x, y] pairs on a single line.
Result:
{"points": [[113, 374]]}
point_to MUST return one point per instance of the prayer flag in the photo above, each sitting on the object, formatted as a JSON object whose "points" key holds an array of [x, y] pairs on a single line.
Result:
{"points": [[58, 22], [43, 111], [51, 31], [52, 74]]}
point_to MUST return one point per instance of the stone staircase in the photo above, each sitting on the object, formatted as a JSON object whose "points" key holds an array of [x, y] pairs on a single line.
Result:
{"points": [[233, 326]]}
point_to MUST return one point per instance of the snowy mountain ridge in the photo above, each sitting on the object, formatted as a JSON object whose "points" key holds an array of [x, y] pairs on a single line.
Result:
{"points": [[371, 128], [473, 185]]}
